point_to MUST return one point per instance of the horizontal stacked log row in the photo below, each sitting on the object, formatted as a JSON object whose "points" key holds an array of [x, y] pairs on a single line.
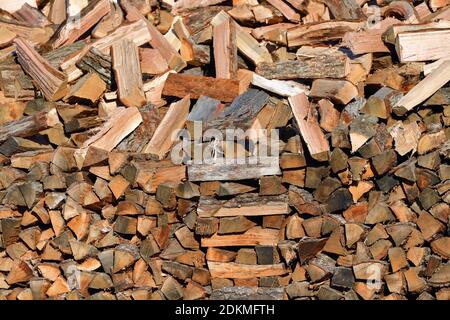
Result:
{"points": [[101, 199]]}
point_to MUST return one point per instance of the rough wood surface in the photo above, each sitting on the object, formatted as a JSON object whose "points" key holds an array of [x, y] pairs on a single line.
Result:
{"points": [[127, 70]]}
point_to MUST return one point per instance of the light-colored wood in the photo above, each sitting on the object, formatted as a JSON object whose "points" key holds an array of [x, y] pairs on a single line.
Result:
{"points": [[91, 87], [180, 85], [121, 124], [285, 10], [261, 166], [52, 82], [280, 87], [14, 5], [152, 62], [246, 44], [427, 87], [225, 49], [309, 127], [423, 45], [246, 205], [174, 119], [339, 91], [158, 41], [127, 71], [76, 25], [252, 237], [153, 89], [136, 32], [231, 270]]}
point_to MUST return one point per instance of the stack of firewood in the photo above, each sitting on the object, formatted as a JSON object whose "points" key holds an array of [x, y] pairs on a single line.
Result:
{"points": [[114, 183]]}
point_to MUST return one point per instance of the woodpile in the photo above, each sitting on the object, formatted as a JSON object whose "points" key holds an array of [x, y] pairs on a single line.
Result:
{"points": [[345, 197]]}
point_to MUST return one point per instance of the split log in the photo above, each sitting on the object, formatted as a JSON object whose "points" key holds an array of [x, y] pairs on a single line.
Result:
{"points": [[174, 119], [265, 166], [427, 87], [243, 205], [246, 44], [332, 65], [434, 45], [76, 26], [309, 127], [252, 237], [127, 70], [180, 85], [232, 270], [28, 126], [52, 82]]}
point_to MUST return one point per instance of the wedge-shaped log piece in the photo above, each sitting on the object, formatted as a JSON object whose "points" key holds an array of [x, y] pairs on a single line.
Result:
{"points": [[425, 89], [127, 69], [264, 166], [180, 85], [423, 45], [77, 25], [231, 270], [339, 91], [309, 127], [243, 205], [121, 124], [253, 237], [174, 119], [49, 80], [136, 32]]}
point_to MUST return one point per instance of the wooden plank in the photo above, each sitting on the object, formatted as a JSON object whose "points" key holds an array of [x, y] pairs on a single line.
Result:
{"points": [[180, 85], [253, 237], [265, 166], [127, 70], [243, 205], [231, 270]]}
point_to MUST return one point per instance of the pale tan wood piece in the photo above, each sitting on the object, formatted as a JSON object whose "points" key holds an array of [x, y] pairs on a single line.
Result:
{"points": [[225, 49], [174, 119], [254, 236], [309, 127], [127, 70], [423, 45], [231, 270], [121, 124]]}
